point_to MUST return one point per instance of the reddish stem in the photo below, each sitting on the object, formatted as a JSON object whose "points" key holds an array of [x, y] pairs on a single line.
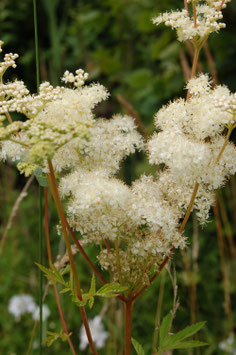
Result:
{"points": [[128, 326], [186, 6], [107, 245], [87, 258], [55, 193], [84, 253], [50, 263], [221, 5], [167, 258], [194, 14]]}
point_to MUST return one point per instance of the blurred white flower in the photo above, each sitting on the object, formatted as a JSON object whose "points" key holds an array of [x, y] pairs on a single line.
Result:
{"points": [[228, 345], [99, 335], [21, 304], [45, 313]]}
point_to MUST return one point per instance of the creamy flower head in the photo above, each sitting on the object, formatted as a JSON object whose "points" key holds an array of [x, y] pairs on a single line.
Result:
{"points": [[202, 115], [207, 15]]}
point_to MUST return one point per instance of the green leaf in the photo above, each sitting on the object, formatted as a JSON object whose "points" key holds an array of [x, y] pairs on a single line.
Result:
{"points": [[52, 337], [92, 290], [53, 274], [66, 270], [138, 347], [91, 302], [41, 178], [78, 302], [111, 289], [187, 344], [58, 275], [164, 330], [187, 332], [176, 341], [67, 289]]}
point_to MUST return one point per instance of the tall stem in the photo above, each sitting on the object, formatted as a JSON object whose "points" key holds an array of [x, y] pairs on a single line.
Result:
{"points": [[40, 273], [55, 193], [225, 143], [50, 263], [128, 326], [189, 209], [40, 192], [81, 249], [194, 65]]}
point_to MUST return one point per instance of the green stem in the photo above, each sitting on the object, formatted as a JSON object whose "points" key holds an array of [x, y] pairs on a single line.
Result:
{"points": [[40, 193], [158, 310]]}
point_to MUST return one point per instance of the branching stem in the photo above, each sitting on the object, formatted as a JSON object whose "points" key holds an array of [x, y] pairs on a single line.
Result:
{"points": [[55, 193], [50, 263]]}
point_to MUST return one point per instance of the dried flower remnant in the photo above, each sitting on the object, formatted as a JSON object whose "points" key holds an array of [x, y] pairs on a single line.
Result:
{"points": [[197, 26]]}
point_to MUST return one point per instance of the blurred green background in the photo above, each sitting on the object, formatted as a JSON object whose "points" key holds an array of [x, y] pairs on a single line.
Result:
{"points": [[117, 44]]}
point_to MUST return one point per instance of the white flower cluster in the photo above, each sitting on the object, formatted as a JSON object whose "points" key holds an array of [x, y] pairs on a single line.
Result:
{"points": [[22, 304], [228, 104], [98, 332], [190, 140], [77, 80], [207, 15], [15, 97], [55, 117], [228, 346], [8, 61], [109, 142]]}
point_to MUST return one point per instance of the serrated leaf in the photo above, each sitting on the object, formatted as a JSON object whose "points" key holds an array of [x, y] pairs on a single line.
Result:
{"points": [[65, 270], [92, 289], [138, 347], [187, 332], [186, 345], [54, 336], [110, 289], [164, 330], [91, 302], [59, 275], [48, 273]]}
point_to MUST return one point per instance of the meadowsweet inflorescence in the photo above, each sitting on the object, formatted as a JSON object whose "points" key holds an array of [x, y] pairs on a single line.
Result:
{"points": [[208, 13], [135, 226]]}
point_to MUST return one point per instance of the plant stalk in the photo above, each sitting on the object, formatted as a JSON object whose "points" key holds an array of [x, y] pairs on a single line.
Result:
{"points": [[55, 193], [128, 326], [50, 263]]}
